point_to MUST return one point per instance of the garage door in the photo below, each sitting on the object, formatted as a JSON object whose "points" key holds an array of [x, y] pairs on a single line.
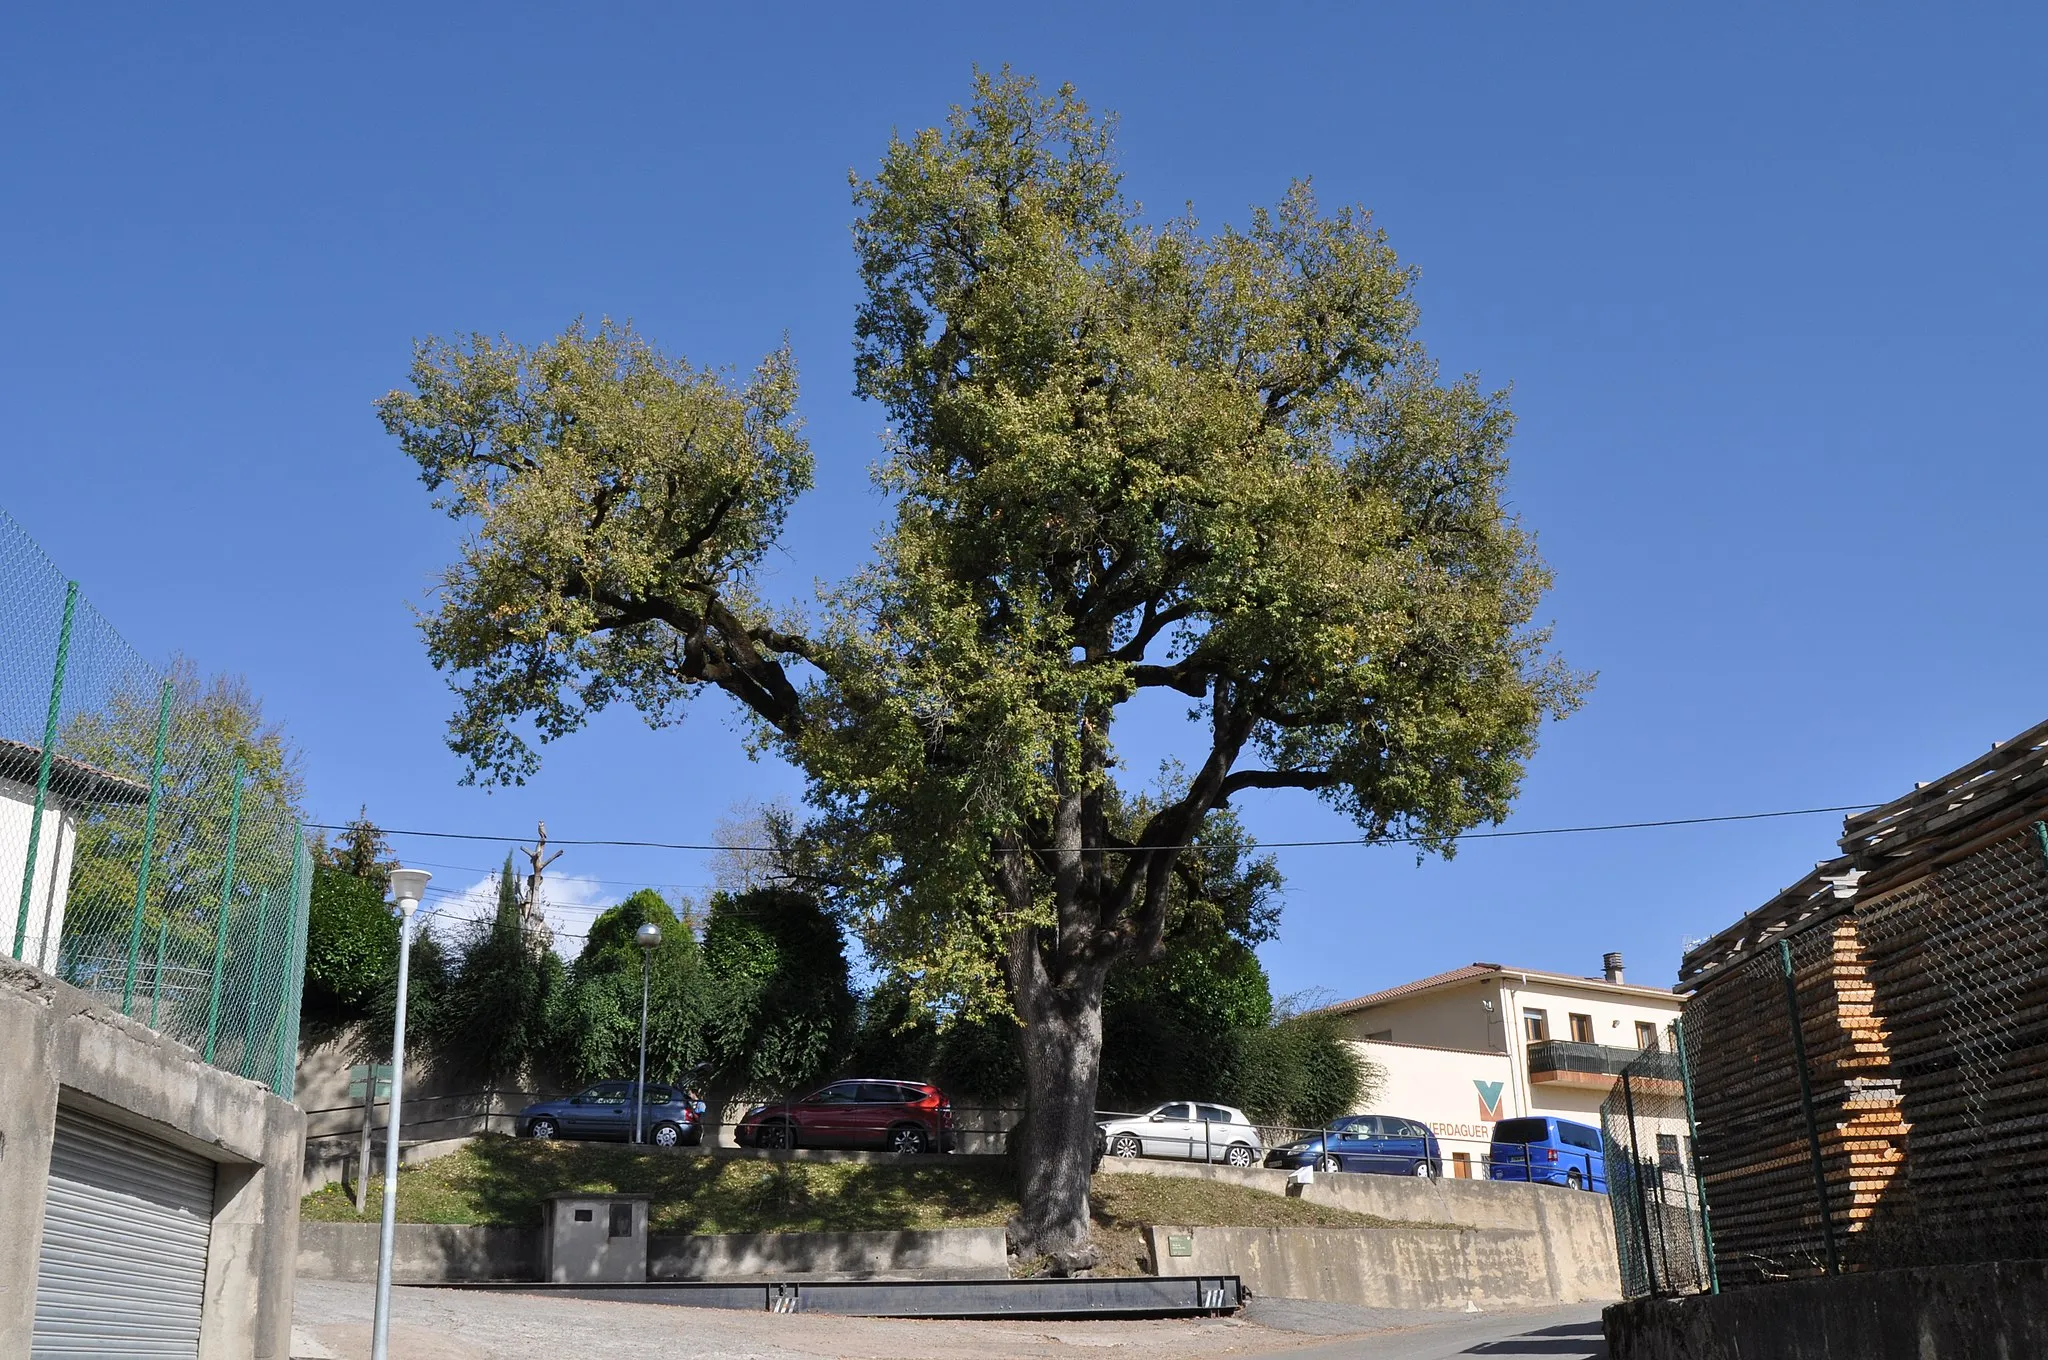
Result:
{"points": [[124, 1245]]}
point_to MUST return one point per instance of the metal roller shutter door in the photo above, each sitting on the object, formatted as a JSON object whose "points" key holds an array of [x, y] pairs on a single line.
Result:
{"points": [[125, 1229]]}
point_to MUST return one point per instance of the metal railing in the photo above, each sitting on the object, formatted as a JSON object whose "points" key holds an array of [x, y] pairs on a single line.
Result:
{"points": [[1565, 1055]]}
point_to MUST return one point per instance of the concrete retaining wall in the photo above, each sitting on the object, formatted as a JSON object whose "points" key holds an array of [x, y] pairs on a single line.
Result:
{"points": [[429, 1253], [421, 1253], [1373, 1267], [59, 1046], [1572, 1230], [1934, 1313], [715, 1256]]}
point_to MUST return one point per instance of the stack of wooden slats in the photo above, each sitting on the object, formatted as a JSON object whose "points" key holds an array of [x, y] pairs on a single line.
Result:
{"points": [[1753, 1136], [1921, 963], [1960, 963]]}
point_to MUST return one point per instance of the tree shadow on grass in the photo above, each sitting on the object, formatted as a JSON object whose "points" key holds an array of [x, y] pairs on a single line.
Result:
{"points": [[507, 1179]]}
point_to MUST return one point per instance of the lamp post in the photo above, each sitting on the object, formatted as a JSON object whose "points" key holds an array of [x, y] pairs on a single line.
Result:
{"points": [[406, 887], [648, 937]]}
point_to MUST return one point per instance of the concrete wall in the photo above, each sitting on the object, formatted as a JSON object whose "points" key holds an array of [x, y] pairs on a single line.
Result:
{"points": [[427, 1253], [959, 1251], [421, 1253], [1937, 1313], [1372, 1267], [1573, 1230], [57, 1045]]}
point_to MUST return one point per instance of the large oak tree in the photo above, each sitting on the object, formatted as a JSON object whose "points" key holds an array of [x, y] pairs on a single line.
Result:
{"points": [[1125, 456]]}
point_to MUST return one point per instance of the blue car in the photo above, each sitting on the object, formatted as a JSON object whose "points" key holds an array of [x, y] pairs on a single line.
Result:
{"points": [[1548, 1151], [1386, 1144], [670, 1118]]}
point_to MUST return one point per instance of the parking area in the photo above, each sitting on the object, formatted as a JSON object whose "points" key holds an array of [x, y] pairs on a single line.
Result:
{"points": [[446, 1324]]}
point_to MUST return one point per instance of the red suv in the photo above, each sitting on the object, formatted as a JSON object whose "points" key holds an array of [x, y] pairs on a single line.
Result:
{"points": [[863, 1112]]}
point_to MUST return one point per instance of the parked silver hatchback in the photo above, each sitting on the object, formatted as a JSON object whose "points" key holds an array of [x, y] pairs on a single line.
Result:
{"points": [[1194, 1130]]}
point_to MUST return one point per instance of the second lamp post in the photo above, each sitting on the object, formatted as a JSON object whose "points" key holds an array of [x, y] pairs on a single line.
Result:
{"points": [[648, 937]]}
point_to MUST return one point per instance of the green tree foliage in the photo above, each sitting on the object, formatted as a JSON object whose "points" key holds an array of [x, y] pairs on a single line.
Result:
{"points": [[351, 934], [1126, 457], [596, 1028], [428, 979], [212, 722], [972, 1056], [1297, 1072], [361, 851], [780, 1003], [351, 946], [496, 1015]]}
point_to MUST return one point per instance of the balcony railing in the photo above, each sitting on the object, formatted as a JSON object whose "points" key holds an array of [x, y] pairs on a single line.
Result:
{"points": [[1551, 1059]]}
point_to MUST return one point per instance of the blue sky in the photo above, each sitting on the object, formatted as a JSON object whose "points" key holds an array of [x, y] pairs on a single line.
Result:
{"points": [[1767, 287]]}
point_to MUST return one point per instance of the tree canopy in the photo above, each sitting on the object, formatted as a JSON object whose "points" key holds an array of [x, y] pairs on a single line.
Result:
{"points": [[1125, 456]]}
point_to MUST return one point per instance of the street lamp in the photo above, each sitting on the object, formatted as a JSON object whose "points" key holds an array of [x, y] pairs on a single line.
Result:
{"points": [[648, 937], [406, 887]]}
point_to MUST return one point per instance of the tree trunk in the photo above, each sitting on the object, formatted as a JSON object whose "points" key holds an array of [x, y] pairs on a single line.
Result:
{"points": [[1062, 1062]]}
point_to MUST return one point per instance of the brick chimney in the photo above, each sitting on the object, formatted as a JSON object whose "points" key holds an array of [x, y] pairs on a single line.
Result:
{"points": [[1612, 964]]}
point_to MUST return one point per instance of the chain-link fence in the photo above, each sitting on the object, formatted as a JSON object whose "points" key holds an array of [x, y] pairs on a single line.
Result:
{"points": [[1653, 1183], [1867, 1077], [149, 852]]}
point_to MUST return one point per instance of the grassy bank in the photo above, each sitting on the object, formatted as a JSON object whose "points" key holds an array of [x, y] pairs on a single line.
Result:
{"points": [[498, 1180]]}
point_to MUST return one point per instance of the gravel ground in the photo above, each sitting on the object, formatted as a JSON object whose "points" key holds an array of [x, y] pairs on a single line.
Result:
{"points": [[448, 1324]]}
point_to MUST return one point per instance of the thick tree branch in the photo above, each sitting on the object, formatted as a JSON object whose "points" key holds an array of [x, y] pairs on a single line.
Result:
{"points": [[1278, 779]]}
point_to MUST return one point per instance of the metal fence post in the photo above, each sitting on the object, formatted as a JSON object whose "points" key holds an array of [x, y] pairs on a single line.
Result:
{"points": [[156, 991], [256, 978], [156, 773], [227, 890], [1635, 1164], [1820, 1174], [35, 820], [1692, 1132]]}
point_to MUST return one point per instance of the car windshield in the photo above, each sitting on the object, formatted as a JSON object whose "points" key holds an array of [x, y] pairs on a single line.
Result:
{"points": [[1522, 1131]]}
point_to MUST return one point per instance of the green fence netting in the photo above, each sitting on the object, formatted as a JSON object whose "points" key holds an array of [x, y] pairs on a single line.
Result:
{"points": [[149, 852]]}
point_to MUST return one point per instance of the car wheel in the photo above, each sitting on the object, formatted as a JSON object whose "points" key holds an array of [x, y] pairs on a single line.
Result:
{"points": [[542, 1128], [1422, 1171], [1123, 1145], [1240, 1154], [1574, 1180], [665, 1135], [908, 1140], [775, 1135], [1328, 1165]]}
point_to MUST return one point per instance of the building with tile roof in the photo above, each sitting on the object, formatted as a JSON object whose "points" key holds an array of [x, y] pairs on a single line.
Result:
{"points": [[1463, 1049]]}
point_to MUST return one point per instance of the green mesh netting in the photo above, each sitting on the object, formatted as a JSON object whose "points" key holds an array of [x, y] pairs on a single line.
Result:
{"points": [[147, 855]]}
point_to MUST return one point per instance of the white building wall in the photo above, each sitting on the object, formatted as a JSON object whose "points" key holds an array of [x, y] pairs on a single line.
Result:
{"points": [[1457, 1066], [1457, 1092], [52, 883]]}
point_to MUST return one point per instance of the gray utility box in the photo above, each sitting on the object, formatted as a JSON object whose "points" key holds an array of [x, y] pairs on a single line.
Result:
{"points": [[593, 1237]]}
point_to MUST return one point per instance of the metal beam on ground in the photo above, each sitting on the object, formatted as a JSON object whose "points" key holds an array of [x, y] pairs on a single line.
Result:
{"points": [[1134, 1296]]}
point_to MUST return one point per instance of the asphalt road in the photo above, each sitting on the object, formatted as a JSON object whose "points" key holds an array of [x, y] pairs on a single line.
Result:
{"points": [[1569, 1333], [442, 1324]]}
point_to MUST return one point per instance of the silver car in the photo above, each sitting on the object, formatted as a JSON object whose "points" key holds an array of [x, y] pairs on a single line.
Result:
{"points": [[1188, 1129]]}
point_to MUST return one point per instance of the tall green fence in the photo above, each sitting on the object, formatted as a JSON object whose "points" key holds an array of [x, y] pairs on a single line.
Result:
{"points": [[149, 852]]}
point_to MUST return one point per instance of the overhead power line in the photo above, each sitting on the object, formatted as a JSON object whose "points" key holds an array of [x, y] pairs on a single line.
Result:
{"points": [[1132, 849]]}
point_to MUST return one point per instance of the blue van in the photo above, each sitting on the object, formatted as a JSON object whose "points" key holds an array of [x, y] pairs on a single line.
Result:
{"points": [[1548, 1150]]}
